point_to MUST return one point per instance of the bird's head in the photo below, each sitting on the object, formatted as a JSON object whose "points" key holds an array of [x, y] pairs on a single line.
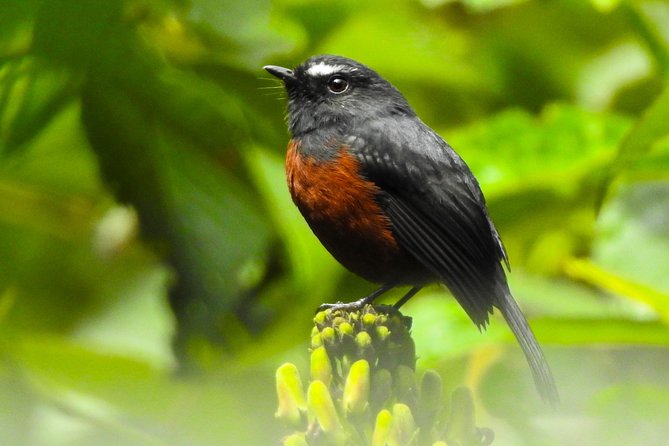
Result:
{"points": [[327, 91]]}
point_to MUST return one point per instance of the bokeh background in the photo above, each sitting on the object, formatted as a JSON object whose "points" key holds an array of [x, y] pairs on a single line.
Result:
{"points": [[154, 273]]}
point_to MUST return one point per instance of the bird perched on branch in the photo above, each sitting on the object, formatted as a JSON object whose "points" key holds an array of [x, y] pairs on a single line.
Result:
{"points": [[390, 199]]}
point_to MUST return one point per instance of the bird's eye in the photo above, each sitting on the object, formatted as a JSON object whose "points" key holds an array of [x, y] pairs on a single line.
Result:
{"points": [[337, 84]]}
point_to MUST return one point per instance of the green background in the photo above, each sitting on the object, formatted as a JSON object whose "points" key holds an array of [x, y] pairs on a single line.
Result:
{"points": [[154, 272]]}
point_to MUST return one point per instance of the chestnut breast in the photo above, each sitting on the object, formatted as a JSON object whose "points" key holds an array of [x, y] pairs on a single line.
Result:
{"points": [[340, 207]]}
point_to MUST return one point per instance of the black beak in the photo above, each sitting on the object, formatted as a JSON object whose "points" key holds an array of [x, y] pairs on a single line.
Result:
{"points": [[282, 73]]}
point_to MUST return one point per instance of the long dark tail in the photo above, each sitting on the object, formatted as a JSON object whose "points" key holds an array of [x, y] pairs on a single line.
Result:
{"points": [[541, 372]]}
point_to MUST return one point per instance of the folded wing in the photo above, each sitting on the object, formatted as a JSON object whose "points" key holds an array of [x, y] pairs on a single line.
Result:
{"points": [[438, 214]]}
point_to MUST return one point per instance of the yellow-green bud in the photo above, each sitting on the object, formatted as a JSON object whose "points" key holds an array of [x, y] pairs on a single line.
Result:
{"points": [[404, 427], [382, 388], [316, 341], [345, 329], [356, 389], [328, 335], [320, 317], [322, 409], [338, 320], [296, 439], [462, 421], [321, 368], [363, 339], [290, 394], [405, 385], [384, 423], [429, 403], [382, 332], [369, 319]]}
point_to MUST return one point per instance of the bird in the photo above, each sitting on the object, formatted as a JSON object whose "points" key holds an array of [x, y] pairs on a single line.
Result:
{"points": [[391, 200]]}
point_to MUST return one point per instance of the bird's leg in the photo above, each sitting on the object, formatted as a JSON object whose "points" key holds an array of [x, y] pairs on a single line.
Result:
{"points": [[406, 297], [357, 304]]}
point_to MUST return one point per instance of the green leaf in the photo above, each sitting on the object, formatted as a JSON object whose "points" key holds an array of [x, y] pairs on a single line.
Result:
{"points": [[632, 251], [113, 399], [441, 328], [606, 332], [201, 212], [649, 21], [74, 33], [515, 151], [605, 5], [538, 176], [417, 51], [16, 26], [312, 266], [652, 126], [588, 272], [648, 400], [32, 94], [249, 30], [480, 6]]}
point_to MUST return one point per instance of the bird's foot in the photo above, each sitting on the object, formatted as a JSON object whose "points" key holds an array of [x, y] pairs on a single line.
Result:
{"points": [[346, 306], [357, 304]]}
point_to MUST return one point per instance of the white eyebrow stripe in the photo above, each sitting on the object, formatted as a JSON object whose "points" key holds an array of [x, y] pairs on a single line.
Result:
{"points": [[322, 69]]}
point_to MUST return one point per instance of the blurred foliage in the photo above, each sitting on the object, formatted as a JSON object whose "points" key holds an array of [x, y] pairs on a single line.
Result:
{"points": [[154, 273]]}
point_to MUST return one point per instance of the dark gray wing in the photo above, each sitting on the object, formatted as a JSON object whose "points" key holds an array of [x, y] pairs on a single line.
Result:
{"points": [[438, 214], [436, 210]]}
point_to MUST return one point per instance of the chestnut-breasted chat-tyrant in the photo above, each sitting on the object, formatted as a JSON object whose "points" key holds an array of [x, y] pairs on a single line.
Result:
{"points": [[390, 199]]}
